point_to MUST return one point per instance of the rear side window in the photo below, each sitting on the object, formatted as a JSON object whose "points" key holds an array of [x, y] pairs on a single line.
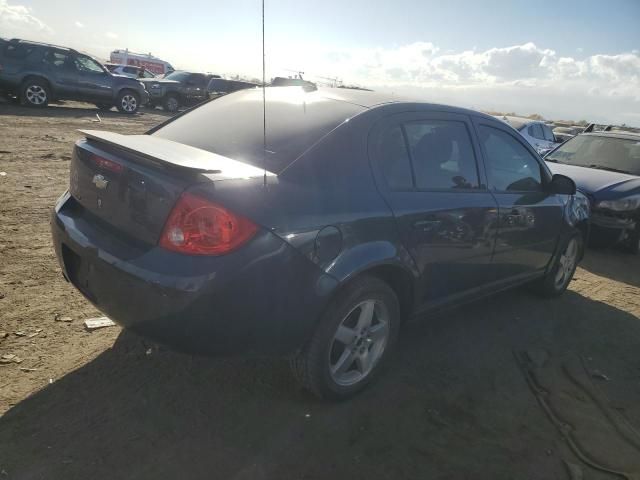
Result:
{"points": [[548, 134], [510, 166], [535, 131], [132, 70], [394, 159], [18, 51], [232, 125], [442, 155]]}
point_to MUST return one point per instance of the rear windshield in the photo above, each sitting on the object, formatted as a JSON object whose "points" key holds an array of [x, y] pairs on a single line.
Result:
{"points": [[232, 125], [604, 152]]}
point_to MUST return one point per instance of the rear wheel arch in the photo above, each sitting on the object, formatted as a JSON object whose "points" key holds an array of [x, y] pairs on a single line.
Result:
{"points": [[397, 277]]}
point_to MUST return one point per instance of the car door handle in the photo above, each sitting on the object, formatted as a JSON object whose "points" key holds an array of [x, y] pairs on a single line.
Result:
{"points": [[426, 225]]}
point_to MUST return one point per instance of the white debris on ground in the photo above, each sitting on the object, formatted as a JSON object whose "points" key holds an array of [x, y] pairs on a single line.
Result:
{"points": [[98, 322]]}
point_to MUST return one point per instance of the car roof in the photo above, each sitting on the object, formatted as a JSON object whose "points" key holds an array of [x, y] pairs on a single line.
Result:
{"points": [[618, 134], [517, 122], [371, 100], [40, 44]]}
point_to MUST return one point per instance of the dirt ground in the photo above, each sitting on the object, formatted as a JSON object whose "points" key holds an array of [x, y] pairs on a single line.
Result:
{"points": [[510, 387]]}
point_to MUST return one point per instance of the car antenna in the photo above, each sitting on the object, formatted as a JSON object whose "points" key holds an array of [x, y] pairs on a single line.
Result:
{"points": [[264, 106]]}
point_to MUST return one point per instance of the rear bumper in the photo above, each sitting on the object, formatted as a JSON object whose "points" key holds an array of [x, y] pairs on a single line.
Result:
{"points": [[264, 298]]}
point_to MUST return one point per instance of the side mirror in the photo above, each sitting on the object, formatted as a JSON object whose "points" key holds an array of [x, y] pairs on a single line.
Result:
{"points": [[562, 185]]}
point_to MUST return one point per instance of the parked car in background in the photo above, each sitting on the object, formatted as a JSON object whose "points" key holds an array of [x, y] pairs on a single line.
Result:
{"points": [[364, 211], [130, 71], [562, 134], [38, 73], [178, 89], [536, 132], [222, 86], [606, 166], [145, 60]]}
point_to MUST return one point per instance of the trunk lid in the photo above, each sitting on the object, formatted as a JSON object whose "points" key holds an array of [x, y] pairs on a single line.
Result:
{"points": [[132, 182]]}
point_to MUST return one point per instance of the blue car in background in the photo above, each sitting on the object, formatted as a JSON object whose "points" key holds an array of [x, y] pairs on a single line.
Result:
{"points": [[606, 167]]}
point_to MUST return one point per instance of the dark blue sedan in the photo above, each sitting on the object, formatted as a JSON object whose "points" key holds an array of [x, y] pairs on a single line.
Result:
{"points": [[355, 212], [606, 166]]}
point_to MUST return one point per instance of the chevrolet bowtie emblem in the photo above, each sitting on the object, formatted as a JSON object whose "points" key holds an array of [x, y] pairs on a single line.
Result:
{"points": [[100, 182]]}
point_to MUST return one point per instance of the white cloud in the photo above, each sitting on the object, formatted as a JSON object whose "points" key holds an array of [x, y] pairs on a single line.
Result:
{"points": [[18, 21], [111, 35], [524, 78], [79, 24]]}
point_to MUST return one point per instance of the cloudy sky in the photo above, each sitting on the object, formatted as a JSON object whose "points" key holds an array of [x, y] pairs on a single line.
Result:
{"points": [[569, 59]]}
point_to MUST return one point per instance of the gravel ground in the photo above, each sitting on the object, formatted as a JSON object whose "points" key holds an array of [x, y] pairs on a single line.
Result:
{"points": [[510, 387]]}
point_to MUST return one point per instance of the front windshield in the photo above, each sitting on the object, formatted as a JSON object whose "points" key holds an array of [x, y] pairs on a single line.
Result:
{"points": [[178, 76], [603, 152]]}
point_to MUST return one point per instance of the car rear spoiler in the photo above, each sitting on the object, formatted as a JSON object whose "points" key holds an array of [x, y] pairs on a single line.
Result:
{"points": [[174, 154]]}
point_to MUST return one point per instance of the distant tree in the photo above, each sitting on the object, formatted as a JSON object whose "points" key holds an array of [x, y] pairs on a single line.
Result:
{"points": [[582, 123], [536, 116]]}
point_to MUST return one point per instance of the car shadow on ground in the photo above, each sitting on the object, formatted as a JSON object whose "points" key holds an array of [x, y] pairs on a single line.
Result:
{"points": [[452, 403], [614, 264], [73, 110]]}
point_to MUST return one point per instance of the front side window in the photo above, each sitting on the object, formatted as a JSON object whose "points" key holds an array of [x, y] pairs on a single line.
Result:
{"points": [[55, 59], [510, 166], [442, 155], [86, 64]]}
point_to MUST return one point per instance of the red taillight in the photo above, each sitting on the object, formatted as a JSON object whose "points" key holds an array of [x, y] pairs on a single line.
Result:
{"points": [[199, 227], [105, 164]]}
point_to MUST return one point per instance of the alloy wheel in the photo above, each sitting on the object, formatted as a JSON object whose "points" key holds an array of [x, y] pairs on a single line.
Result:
{"points": [[172, 104], [36, 95], [359, 342], [129, 103], [567, 263]]}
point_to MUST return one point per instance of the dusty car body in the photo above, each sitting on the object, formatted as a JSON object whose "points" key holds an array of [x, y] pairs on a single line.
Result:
{"points": [[361, 211]]}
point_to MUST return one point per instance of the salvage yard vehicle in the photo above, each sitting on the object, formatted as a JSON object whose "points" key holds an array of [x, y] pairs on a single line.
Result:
{"points": [[38, 73], [178, 89], [130, 71], [361, 211], [537, 133], [606, 166]]}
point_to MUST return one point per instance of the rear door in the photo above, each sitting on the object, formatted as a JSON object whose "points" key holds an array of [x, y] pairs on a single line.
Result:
{"points": [[427, 170], [530, 217], [61, 72]]}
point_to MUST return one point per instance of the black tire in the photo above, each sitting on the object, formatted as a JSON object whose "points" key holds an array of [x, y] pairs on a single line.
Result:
{"points": [[551, 285], [104, 106], [171, 103], [35, 92], [128, 102], [312, 366], [632, 244]]}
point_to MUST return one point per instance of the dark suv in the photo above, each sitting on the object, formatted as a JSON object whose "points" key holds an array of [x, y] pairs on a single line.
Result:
{"points": [[38, 73], [178, 89]]}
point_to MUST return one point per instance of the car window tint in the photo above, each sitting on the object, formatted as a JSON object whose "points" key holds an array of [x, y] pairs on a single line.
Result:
{"points": [[232, 125], [55, 59], [19, 50], [394, 159], [548, 134], [535, 131], [510, 166], [86, 64], [442, 155], [130, 70]]}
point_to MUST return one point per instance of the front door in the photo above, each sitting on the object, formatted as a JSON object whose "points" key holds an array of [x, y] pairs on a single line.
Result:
{"points": [[426, 167], [529, 216], [96, 85]]}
